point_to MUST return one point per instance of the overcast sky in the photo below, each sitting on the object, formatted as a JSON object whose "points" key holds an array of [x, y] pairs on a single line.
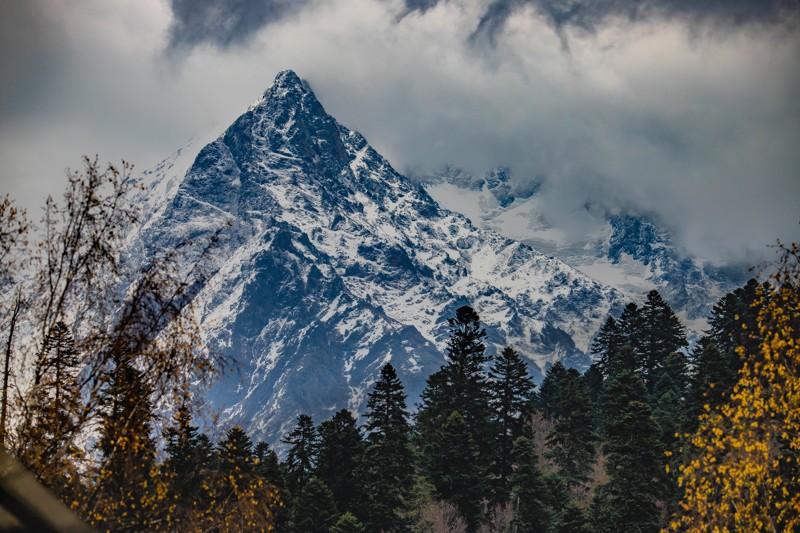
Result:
{"points": [[685, 110]]}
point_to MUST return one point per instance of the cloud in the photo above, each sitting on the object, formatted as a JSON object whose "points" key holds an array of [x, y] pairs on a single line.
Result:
{"points": [[698, 133], [224, 23], [699, 130], [591, 14], [230, 22]]}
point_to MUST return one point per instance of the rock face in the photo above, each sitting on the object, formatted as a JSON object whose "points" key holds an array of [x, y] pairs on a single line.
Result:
{"points": [[329, 264]]}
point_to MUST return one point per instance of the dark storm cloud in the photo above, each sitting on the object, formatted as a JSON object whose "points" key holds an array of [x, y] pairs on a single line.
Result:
{"points": [[224, 22], [589, 14], [420, 5]]}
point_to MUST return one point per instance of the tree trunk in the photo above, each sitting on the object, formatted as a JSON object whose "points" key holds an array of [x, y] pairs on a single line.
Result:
{"points": [[7, 371]]}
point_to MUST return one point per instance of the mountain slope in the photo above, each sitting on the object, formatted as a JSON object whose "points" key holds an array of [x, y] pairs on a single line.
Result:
{"points": [[624, 251], [329, 264]]}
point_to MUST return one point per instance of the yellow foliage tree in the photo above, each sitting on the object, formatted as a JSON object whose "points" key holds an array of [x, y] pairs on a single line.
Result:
{"points": [[742, 472]]}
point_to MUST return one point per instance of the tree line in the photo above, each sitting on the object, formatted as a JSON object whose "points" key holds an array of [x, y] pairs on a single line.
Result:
{"points": [[653, 435], [611, 449]]}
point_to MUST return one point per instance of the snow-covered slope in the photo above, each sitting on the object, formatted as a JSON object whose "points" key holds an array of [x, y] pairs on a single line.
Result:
{"points": [[329, 264], [627, 252]]}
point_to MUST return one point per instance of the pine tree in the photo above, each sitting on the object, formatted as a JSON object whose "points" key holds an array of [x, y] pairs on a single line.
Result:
{"points": [[511, 389], [454, 468], [532, 512], [339, 453], [388, 465], [301, 457], [572, 440], [314, 510], [660, 334]]}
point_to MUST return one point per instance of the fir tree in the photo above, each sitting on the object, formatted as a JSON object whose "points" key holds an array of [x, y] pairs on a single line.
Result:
{"points": [[733, 324], [572, 440], [314, 510], [241, 499], [660, 334], [622, 361], [436, 402], [462, 383], [236, 451], [53, 417], [388, 468], [532, 512], [59, 362], [268, 467], [629, 501], [550, 390], [460, 386], [669, 397], [189, 457], [629, 325], [608, 340], [511, 389], [593, 378], [454, 468], [711, 378], [347, 523], [733, 320], [338, 455], [715, 362], [301, 457], [572, 519], [126, 448]]}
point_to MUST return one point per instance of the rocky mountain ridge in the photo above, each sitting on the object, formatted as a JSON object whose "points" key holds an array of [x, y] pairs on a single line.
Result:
{"points": [[329, 263]]}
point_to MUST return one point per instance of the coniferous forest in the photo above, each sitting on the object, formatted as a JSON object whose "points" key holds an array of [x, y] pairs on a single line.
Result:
{"points": [[657, 434]]}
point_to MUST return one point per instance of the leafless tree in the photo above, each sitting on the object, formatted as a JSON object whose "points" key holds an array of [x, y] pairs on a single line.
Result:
{"points": [[79, 281]]}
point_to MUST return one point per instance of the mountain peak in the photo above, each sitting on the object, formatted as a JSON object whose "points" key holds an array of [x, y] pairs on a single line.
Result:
{"points": [[289, 79], [330, 264], [288, 91], [287, 88]]}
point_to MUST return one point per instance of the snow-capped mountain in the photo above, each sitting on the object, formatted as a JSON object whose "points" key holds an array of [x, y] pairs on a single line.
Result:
{"points": [[329, 264], [627, 252]]}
